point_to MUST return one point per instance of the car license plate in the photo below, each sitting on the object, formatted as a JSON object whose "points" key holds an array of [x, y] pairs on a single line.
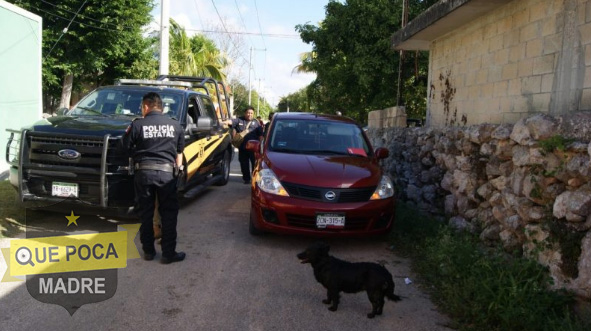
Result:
{"points": [[61, 189], [330, 220]]}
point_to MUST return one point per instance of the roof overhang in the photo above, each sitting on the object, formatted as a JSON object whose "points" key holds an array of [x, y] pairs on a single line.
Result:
{"points": [[440, 19]]}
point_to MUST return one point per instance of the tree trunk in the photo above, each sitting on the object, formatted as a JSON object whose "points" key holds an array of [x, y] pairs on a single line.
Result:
{"points": [[66, 90]]}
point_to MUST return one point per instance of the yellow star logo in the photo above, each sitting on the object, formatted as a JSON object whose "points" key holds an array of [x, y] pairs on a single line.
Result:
{"points": [[72, 219]]}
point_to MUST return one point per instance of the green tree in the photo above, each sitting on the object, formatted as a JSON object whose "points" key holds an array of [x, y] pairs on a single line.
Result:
{"points": [[210, 59], [297, 101], [240, 93], [103, 41], [356, 68], [305, 65], [194, 56]]}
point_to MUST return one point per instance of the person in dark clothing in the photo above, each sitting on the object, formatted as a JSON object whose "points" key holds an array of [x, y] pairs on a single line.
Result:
{"points": [[156, 143], [246, 158], [268, 125]]}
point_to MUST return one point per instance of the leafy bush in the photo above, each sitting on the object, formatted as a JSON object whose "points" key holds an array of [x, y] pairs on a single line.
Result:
{"points": [[480, 288], [556, 142]]}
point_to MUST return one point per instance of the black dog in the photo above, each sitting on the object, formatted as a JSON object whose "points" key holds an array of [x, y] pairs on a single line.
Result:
{"points": [[342, 276]]}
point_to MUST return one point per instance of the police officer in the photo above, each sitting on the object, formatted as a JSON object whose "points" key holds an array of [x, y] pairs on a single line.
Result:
{"points": [[245, 157], [156, 143], [268, 125]]}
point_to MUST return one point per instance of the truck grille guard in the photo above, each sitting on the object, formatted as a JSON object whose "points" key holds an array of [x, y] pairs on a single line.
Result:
{"points": [[22, 160]]}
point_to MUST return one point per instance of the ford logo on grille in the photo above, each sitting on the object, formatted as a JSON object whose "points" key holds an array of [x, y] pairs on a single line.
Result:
{"points": [[330, 195], [69, 154]]}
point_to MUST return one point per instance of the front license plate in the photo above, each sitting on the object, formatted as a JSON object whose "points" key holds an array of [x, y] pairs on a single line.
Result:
{"points": [[61, 189], [330, 220]]}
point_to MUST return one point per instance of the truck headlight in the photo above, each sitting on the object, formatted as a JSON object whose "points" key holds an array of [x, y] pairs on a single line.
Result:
{"points": [[13, 147]]}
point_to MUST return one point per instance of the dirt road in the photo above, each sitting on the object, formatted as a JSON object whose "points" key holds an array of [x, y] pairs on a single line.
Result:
{"points": [[229, 281]]}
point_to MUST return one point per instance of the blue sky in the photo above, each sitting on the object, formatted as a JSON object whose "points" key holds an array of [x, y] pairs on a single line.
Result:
{"points": [[266, 26]]}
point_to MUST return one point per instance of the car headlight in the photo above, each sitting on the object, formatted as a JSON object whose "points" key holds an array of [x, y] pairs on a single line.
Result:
{"points": [[268, 182], [384, 190]]}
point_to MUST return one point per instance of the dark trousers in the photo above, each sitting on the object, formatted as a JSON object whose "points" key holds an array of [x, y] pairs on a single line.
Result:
{"points": [[150, 184], [246, 159]]}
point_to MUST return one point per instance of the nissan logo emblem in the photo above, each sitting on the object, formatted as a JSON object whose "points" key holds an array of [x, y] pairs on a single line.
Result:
{"points": [[330, 195], [68, 154]]}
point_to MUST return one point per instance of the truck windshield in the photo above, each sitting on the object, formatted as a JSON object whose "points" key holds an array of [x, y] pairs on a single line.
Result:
{"points": [[105, 102]]}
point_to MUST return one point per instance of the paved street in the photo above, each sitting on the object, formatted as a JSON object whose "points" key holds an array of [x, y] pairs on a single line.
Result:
{"points": [[229, 281]]}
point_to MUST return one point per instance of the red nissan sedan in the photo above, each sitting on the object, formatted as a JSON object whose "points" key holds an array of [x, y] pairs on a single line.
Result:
{"points": [[318, 175]]}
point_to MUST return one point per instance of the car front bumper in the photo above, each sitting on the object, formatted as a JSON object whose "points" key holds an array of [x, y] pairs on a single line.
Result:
{"points": [[287, 215]]}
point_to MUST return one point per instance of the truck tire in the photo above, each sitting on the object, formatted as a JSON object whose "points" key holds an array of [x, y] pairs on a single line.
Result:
{"points": [[224, 169]]}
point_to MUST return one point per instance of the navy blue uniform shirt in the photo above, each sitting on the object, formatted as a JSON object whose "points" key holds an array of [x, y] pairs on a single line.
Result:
{"points": [[156, 138], [255, 129]]}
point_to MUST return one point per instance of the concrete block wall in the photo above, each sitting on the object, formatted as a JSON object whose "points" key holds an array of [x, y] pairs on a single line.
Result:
{"points": [[387, 118], [528, 56]]}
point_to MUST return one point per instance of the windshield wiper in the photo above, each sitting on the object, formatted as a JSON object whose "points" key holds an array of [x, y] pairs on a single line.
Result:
{"points": [[130, 114], [356, 154], [287, 150], [91, 110]]}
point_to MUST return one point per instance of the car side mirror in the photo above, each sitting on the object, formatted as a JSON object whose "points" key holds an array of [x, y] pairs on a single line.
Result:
{"points": [[382, 153], [203, 125], [62, 111]]}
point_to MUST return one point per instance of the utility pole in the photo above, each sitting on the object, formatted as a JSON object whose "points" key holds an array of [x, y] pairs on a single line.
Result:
{"points": [[164, 36], [249, 70], [250, 67], [401, 54], [259, 99]]}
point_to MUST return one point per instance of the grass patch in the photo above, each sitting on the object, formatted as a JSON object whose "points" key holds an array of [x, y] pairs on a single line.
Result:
{"points": [[557, 142], [411, 228], [12, 213], [480, 288]]}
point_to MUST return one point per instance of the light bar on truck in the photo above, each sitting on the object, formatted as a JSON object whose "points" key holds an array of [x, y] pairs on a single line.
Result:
{"points": [[150, 82]]}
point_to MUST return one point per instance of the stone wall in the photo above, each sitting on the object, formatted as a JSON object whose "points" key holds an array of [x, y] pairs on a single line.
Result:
{"points": [[526, 186], [526, 56]]}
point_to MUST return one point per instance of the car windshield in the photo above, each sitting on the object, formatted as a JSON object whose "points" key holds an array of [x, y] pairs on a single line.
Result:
{"points": [[318, 137], [111, 101]]}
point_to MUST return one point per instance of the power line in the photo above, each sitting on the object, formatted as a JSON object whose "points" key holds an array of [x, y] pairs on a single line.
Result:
{"points": [[259, 20], [224, 26], [66, 29], [242, 19], [265, 65], [272, 35], [197, 9], [118, 26], [264, 44], [73, 20], [219, 16]]}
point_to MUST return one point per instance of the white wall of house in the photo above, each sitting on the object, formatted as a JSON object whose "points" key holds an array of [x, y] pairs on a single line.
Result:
{"points": [[525, 57], [20, 68]]}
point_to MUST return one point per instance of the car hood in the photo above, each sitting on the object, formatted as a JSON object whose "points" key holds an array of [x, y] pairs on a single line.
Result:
{"points": [[83, 125], [334, 171]]}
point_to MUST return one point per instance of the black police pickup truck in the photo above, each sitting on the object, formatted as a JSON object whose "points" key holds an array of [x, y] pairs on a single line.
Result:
{"points": [[78, 154]]}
